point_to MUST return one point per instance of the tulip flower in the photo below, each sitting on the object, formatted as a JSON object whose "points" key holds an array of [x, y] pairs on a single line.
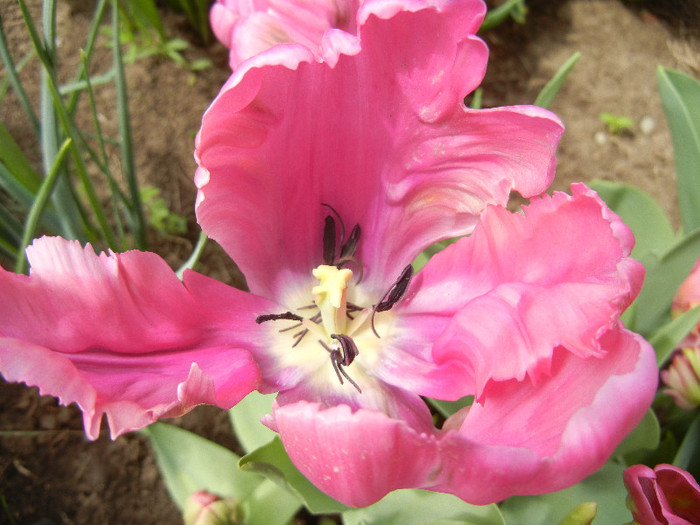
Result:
{"points": [[323, 180], [666, 495]]}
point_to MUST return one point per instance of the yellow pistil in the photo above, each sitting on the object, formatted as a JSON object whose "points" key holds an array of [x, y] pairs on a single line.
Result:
{"points": [[330, 296]]}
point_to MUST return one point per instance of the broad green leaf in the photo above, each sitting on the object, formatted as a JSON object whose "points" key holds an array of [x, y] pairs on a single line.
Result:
{"points": [[272, 461], [245, 418], [667, 338], [645, 436], [605, 487], [664, 275], [420, 507], [189, 462], [652, 230], [680, 97], [270, 504], [551, 88], [688, 455]]}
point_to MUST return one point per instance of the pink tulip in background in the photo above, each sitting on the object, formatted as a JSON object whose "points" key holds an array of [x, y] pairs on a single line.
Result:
{"points": [[323, 180], [248, 27], [666, 495]]}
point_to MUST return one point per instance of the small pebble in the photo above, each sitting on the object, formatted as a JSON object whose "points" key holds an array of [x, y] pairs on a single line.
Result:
{"points": [[647, 125], [601, 138]]}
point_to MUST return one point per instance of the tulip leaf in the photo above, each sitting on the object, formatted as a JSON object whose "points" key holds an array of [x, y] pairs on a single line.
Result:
{"points": [[665, 274], [688, 455], [272, 461], [431, 250], [680, 97], [551, 88], [645, 436], [638, 210], [270, 504], [604, 487], [189, 462], [447, 408], [668, 337], [245, 418], [419, 507]]}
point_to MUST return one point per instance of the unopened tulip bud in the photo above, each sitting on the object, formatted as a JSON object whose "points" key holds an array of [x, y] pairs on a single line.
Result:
{"points": [[205, 508], [683, 378]]}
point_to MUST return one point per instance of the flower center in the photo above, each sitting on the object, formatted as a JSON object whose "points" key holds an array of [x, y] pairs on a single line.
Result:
{"points": [[337, 324]]}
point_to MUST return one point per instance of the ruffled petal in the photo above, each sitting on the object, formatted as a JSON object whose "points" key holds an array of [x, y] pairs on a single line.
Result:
{"points": [[522, 285], [120, 335], [355, 456], [383, 137], [530, 438]]}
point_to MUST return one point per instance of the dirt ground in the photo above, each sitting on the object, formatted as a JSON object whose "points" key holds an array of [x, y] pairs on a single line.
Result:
{"points": [[49, 472]]}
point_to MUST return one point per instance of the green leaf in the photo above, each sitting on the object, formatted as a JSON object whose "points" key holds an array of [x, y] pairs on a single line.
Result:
{"points": [[447, 408], [652, 230], [189, 463], [664, 275], [688, 455], [680, 97], [272, 461], [245, 418], [16, 161], [515, 9], [646, 436], [605, 487], [667, 338], [420, 507], [431, 250], [550, 90], [270, 504]]}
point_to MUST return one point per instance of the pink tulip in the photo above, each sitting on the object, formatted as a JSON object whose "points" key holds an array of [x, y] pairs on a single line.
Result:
{"points": [[665, 495], [323, 180]]}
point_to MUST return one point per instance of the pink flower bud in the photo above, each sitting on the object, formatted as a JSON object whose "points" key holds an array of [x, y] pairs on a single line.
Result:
{"points": [[663, 496], [683, 378], [205, 508]]}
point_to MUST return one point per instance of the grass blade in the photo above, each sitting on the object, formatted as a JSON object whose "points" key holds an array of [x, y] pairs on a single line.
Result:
{"points": [[551, 88], [13, 77], [39, 205], [138, 219]]}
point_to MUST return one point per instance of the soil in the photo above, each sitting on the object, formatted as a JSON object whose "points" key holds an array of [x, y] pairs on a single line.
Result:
{"points": [[51, 474]]}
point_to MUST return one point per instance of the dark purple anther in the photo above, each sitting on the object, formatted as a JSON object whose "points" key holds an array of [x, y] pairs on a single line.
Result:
{"points": [[350, 351], [275, 317], [329, 241], [394, 294]]}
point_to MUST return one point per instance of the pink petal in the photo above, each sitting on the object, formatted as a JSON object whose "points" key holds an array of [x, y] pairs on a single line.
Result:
{"points": [[522, 285], [355, 456], [382, 136], [120, 335], [536, 438]]}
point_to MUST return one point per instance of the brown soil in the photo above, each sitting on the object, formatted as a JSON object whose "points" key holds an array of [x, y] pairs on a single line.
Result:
{"points": [[49, 472]]}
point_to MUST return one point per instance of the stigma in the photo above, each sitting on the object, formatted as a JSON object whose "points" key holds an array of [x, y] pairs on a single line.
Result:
{"points": [[330, 295]]}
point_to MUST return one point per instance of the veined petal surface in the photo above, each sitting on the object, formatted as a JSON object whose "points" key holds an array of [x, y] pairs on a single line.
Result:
{"points": [[517, 288], [120, 335], [382, 136], [356, 455], [527, 438]]}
